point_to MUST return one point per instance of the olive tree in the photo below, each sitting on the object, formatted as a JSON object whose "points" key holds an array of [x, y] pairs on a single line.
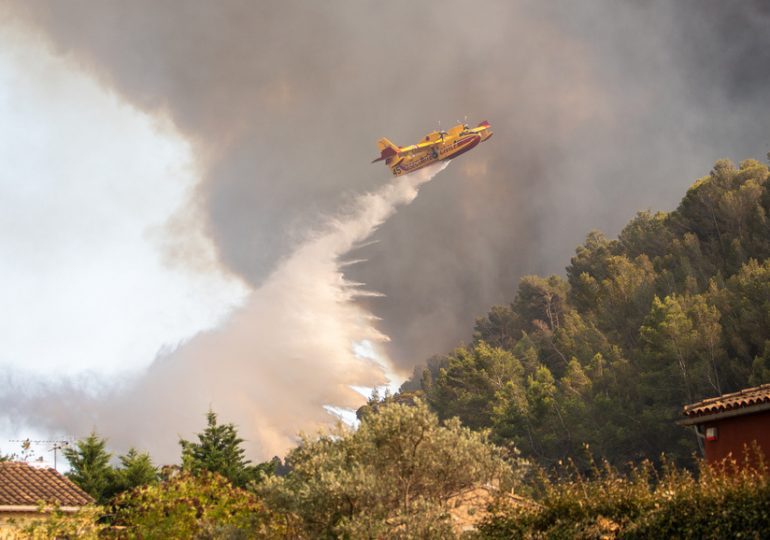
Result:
{"points": [[392, 477]]}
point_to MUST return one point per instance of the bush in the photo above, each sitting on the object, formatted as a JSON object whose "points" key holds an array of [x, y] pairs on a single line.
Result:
{"points": [[203, 505], [54, 523], [722, 501]]}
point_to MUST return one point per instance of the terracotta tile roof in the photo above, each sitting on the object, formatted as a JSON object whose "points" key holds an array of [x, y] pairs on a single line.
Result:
{"points": [[748, 397], [24, 485]]}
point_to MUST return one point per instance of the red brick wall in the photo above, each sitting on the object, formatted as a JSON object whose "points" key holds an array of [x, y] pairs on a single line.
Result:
{"points": [[733, 433]]}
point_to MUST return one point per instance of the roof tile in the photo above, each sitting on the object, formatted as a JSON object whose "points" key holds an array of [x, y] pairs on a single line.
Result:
{"points": [[22, 484], [747, 397]]}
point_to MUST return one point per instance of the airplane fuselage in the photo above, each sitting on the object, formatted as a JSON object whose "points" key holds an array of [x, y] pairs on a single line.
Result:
{"points": [[437, 146]]}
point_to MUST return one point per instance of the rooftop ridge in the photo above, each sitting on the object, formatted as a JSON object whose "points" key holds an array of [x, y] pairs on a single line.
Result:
{"points": [[746, 397]]}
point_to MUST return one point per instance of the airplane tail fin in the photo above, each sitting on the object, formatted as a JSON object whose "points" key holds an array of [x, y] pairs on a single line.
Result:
{"points": [[387, 149], [485, 133]]}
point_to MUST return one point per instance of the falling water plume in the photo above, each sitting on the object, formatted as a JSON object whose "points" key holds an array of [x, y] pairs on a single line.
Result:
{"points": [[277, 365]]}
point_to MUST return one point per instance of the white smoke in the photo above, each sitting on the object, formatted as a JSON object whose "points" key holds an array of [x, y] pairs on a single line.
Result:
{"points": [[272, 367]]}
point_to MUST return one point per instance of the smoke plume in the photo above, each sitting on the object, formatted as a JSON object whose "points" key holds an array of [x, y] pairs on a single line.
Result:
{"points": [[271, 368]]}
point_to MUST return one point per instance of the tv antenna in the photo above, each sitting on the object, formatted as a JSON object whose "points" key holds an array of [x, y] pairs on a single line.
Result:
{"points": [[55, 446]]}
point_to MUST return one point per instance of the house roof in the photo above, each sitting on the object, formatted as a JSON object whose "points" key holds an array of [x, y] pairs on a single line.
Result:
{"points": [[24, 485], [746, 401]]}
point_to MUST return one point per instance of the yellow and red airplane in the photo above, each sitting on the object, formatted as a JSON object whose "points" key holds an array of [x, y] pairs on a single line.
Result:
{"points": [[437, 146]]}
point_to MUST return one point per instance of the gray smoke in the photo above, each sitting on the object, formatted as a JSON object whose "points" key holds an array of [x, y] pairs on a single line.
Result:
{"points": [[299, 344], [600, 108]]}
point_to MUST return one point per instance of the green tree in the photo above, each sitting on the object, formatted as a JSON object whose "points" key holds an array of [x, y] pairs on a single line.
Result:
{"points": [[681, 361], [588, 268], [539, 299], [136, 469], [501, 327], [760, 367], [670, 340], [218, 450], [728, 211], [745, 305], [90, 467], [624, 297], [468, 385], [648, 234], [390, 478], [202, 505]]}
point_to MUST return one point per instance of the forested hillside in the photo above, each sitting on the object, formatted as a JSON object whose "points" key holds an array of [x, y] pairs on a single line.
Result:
{"points": [[677, 308]]}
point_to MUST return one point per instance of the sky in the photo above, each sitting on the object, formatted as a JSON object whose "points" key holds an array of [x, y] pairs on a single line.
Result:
{"points": [[87, 185], [194, 225]]}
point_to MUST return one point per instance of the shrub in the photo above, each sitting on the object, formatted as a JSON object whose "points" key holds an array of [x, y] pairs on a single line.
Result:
{"points": [[724, 501], [203, 505]]}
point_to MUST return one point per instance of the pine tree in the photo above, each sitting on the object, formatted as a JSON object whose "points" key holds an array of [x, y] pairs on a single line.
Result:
{"points": [[136, 470], [218, 450], [90, 467]]}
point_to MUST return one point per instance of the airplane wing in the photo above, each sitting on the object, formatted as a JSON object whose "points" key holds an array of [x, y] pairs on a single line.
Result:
{"points": [[430, 144], [388, 149], [420, 147]]}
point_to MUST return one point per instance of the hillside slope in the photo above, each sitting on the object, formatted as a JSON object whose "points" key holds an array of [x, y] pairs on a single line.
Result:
{"points": [[677, 308]]}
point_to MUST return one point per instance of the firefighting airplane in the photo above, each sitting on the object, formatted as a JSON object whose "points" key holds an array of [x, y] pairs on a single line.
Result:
{"points": [[437, 146]]}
